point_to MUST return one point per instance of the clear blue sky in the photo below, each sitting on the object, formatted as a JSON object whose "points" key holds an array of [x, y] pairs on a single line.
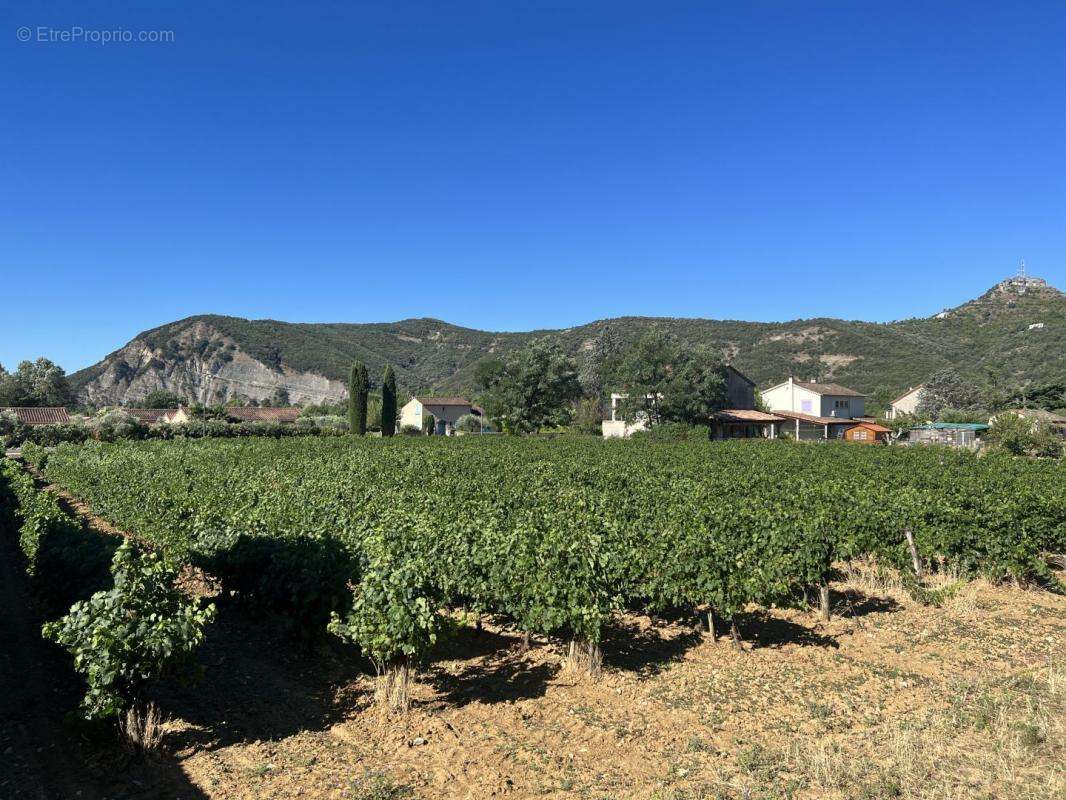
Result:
{"points": [[512, 165]]}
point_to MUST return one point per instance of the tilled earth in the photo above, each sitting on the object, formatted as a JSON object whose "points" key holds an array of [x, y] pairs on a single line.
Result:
{"points": [[889, 699]]}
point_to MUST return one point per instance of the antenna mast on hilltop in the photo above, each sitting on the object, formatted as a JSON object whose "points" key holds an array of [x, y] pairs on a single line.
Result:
{"points": [[1021, 281]]}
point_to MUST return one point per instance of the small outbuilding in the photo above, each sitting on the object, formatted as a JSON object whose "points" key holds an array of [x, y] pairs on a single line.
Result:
{"points": [[867, 433], [952, 434]]}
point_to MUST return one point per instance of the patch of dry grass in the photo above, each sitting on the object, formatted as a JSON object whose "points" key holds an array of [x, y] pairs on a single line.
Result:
{"points": [[1002, 738]]}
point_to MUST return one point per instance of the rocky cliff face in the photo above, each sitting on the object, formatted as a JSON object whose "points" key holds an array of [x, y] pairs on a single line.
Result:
{"points": [[201, 364]]}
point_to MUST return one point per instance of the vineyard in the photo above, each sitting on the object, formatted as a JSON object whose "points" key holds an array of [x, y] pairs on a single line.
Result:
{"points": [[555, 536]]}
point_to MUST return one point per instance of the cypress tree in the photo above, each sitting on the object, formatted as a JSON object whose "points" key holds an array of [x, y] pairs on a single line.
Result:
{"points": [[358, 388], [388, 402]]}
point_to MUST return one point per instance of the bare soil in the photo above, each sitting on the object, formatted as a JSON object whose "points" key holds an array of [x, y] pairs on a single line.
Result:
{"points": [[889, 699]]}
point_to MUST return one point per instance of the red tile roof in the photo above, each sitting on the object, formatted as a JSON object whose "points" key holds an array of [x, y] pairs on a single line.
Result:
{"points": [[746, 415], [39, 416], [828, 388], [253, 414], [873, 426], [443, 401], [814, 419], [150, 416]]}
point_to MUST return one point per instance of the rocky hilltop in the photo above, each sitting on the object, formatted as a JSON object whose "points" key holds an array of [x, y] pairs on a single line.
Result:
{"points": [[201, 363], [1014, 333]]}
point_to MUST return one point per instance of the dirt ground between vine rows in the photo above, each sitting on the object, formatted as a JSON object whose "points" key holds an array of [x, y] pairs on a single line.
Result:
{"points": [[890, 699]]}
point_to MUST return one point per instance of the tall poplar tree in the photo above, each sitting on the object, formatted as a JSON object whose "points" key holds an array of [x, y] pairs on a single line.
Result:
{"points": [[358, 388], [388, 402]]}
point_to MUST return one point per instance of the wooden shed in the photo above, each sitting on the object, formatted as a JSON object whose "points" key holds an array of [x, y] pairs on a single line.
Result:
{"points": [[867, 433]]}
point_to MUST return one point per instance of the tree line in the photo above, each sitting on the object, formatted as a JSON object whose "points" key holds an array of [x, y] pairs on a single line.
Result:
{"points": [[542, 386]]}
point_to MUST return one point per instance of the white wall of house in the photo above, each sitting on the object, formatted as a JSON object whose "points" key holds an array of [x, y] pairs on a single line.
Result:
{"points": [[789, 396], [907, 404], [414, 412], [620, 429], [411, 414]]}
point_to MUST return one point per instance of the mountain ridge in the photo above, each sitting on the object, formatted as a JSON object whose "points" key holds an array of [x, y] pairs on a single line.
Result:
{"points": [[213, 358]]}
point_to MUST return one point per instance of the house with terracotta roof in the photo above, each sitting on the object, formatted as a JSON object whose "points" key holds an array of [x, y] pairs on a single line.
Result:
{"points": [[815, 399], [445, 410], [38, 416], [286, 416], [152, 416]]}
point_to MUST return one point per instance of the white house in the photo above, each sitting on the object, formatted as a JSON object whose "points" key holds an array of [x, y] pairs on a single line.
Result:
{"points": [[815, 399], [445, 410], [616, 427], [906, 403]]}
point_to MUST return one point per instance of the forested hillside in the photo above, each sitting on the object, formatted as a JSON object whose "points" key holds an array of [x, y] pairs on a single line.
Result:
{"points": [[213, 357]]}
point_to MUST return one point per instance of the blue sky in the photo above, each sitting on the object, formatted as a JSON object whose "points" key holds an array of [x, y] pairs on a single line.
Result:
{"points": [[513, 165]]}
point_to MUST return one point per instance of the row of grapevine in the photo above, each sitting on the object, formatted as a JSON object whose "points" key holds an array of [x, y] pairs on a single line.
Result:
{"points": [[71, 562], [556, 535]]}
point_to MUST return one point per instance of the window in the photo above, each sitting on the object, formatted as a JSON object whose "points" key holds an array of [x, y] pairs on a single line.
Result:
{"points": [[841, 403], [860, 435], [805, 406]]}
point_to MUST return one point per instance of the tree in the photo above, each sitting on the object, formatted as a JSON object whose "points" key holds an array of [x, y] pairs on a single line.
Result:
{"points": [[946, 389], [697, 389], [599, 361], [160, 398], [487, 372], [535, 389], [280, 398], [128, 637], [1049, 397], [388, 402], [358, 389], [644, 371], [468, 423], [667, 383], [35, 383], [588, 416], [373, 413]]}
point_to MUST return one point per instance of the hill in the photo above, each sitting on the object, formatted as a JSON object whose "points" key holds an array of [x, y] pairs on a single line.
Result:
{"points": [[211, 358]]}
